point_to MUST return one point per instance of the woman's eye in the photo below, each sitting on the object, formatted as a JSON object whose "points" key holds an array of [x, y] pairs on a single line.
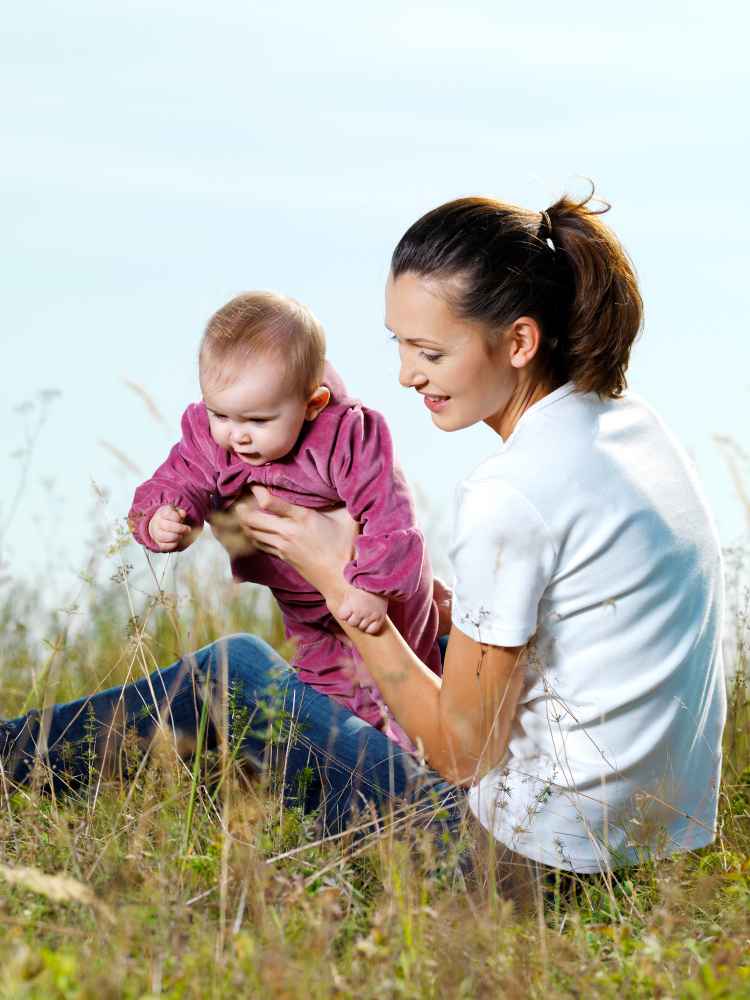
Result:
{"points": [[433, 358]]}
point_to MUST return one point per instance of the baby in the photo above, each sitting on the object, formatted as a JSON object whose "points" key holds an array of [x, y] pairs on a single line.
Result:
{"points": [[275, 413]]}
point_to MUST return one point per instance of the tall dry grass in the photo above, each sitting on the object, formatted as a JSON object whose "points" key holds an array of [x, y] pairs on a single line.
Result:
{"points": [[191, 881]]}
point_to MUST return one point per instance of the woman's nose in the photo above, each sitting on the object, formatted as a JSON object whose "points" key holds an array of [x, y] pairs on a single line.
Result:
{"points": [[408, 375]]}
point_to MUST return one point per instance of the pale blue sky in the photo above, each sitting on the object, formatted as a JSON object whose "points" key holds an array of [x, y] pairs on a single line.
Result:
{"points": [[160, 158]]}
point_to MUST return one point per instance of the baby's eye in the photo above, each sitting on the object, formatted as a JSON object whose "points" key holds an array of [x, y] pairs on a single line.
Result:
{"points": [[219, 416]]}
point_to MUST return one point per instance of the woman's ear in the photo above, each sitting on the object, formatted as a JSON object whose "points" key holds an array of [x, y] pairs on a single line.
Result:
{"points": [[317, 401], [524, 341]]}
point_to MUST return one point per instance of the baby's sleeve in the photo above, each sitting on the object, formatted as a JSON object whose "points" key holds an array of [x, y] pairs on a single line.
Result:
{"points": [[187, 478], [389, 554], [503, 558]]}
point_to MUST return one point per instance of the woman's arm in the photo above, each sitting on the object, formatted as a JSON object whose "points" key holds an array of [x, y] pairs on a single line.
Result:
{"points": [[463, 721]]}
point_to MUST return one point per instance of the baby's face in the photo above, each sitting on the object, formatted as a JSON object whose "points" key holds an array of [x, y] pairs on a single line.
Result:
{"points": [[251, 413]]}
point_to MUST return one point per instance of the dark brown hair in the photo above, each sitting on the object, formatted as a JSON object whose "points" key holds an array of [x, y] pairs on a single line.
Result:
{"points": [[563, 267], [266, 322]]}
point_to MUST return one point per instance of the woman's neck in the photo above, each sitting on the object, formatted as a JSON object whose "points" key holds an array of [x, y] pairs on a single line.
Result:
{"points": [[523, 398]]}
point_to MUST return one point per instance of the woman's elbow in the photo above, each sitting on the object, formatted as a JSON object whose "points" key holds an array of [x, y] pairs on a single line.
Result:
{"points": [[463, 759], [457, 778], [457, 761], [462, 774]]}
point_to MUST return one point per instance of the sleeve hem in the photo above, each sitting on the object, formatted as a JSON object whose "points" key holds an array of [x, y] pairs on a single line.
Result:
{"points": [[139, 522], [490, 633]]}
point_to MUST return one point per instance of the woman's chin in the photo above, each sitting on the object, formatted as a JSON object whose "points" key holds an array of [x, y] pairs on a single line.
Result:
{"points": [[449, 422]]}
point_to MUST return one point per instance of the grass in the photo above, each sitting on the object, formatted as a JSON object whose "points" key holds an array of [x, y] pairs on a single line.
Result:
{"points": [[193, 882]]}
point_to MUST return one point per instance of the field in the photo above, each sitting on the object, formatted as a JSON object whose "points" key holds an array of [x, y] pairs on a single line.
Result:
{"points": [[190, 881]]}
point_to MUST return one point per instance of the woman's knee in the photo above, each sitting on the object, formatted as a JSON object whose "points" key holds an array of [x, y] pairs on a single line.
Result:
{"points": [[246, 660]]}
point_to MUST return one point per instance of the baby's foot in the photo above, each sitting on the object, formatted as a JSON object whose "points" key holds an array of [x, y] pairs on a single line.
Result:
{"points": [[363, 611]]}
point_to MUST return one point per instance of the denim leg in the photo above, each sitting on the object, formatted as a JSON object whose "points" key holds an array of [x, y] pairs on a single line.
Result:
{"points": [[77, 738], [327, 757]]}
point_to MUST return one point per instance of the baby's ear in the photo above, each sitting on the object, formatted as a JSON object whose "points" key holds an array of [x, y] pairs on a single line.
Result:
{"points": [[318, 401]]}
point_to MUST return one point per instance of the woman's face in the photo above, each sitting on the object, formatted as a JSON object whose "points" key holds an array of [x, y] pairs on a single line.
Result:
{"points": [[446, 358]]}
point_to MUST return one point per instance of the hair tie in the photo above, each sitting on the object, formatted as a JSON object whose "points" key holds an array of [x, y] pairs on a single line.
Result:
{"points": [[545, 231]]}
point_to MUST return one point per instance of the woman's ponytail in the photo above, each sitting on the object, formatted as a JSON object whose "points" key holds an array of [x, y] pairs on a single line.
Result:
{"points": [[606, 310], [563, 266]]}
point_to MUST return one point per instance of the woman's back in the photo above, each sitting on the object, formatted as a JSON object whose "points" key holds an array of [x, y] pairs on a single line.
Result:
{"points": [[587, 530]]}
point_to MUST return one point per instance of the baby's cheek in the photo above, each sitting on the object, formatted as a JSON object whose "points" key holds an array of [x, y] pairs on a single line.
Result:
{"points": [[217, 435], [270, 445]]}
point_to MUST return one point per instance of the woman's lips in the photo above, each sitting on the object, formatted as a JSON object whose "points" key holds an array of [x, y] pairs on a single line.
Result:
{"points": [[435, 403]]}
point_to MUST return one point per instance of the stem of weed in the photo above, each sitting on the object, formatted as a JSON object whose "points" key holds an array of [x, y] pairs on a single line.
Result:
{"points": [[196, 775]]}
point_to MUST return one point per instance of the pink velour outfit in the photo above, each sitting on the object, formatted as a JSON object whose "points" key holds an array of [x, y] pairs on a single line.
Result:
{"points": [[343, 457]]}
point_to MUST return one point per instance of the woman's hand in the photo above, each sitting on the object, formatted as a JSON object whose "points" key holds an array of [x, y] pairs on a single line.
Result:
{"points": [[317, 543], [443, 597]]}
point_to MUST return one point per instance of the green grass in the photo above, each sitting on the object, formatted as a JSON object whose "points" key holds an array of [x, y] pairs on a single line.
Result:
{"points": [[176, 888]]}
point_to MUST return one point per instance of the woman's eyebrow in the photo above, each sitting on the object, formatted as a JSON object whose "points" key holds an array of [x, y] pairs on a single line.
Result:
{"points": [[420, 341]]}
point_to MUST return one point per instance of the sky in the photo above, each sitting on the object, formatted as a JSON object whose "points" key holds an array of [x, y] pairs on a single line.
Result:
{"points": [[159, 158]]}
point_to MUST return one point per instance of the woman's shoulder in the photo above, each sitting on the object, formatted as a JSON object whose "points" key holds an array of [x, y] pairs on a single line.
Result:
{"points": [[575, 447], [569, 423]]}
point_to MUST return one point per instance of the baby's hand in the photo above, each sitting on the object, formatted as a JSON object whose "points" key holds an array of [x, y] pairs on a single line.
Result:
{"points": [[168, 529], [363, 611]]}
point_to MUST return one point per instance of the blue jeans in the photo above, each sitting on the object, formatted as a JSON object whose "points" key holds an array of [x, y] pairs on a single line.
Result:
{"points": [[326, 757]]}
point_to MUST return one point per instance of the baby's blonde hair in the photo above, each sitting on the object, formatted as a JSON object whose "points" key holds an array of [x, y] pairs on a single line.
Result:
{"points": [[266, 323]]}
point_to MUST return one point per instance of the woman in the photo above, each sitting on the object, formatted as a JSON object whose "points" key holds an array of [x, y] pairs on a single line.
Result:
{"points": [[582, 700]]}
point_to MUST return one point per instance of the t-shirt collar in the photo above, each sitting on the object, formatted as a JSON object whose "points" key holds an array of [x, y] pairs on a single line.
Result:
{"points": [[552, 397]]}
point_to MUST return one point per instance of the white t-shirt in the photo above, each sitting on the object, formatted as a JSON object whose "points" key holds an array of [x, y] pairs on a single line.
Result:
{"points": [[587, 531]]}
